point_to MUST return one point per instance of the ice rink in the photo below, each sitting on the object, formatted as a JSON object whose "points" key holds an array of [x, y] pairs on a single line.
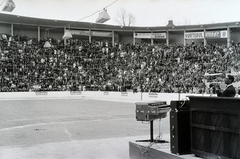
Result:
{"points": [[71, 129]]}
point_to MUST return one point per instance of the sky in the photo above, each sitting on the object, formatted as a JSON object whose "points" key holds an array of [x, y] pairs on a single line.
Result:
{"points": [[146, 12]]}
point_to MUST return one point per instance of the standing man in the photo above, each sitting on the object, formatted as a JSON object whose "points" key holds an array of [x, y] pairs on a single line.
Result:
{"points": [[230, 90]]}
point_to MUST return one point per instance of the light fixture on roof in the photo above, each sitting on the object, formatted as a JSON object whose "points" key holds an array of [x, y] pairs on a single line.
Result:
{"points": [[67, 34], [103, 16], [9, 6]]}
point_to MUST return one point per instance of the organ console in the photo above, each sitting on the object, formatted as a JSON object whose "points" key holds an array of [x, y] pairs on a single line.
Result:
{"points": [[149, 111]]}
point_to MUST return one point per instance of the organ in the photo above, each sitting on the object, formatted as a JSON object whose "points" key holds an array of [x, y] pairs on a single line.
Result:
{"points": [[149, 111]]}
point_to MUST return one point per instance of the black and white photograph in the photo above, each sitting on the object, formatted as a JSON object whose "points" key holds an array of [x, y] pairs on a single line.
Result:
{"points": [[119, 79]]}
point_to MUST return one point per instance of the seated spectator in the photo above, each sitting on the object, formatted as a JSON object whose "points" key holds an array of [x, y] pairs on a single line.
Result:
{"points": [[26, 65]]}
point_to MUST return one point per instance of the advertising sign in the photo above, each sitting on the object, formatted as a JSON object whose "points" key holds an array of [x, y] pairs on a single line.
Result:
{"points": [[216, 34], [159, 35], [194, 35], [94, 33], [80, 32], [102, 34], [150, 35], [142, 35]]}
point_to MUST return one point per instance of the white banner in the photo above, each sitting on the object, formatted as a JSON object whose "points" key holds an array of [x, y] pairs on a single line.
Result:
{"points": [[102, 34], [150, 35], [194, 35], [142, 35], [80, 32], [159, 35], [94, 33]]}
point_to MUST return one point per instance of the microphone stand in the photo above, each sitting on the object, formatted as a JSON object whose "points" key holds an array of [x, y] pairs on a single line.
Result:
{"points": [[179, 93]]}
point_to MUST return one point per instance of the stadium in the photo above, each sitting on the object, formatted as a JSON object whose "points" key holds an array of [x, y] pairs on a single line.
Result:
{"points": [[71, 89], [210, 48]]}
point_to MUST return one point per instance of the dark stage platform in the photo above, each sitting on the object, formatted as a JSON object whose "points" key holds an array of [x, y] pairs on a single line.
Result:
{"points": [[147, 150]]}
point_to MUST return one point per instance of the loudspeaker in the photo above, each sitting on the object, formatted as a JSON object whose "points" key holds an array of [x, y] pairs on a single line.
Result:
{"points": [[103, 17], [67, 34], [180, 135], [9, 6]]}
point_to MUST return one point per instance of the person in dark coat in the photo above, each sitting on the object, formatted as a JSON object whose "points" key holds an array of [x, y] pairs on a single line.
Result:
{"points": [[230, 91]]}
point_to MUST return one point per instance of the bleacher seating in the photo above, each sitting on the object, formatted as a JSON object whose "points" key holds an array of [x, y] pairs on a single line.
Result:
{"points": [[26, 65]]}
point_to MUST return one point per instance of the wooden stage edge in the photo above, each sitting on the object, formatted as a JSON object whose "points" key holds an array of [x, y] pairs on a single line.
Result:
{"points": [[148, 150]]}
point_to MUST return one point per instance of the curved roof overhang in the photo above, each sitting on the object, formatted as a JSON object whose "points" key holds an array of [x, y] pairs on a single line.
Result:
{"points": [[51, 23]]}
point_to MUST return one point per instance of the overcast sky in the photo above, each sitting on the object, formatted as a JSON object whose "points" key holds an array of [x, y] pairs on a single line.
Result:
{"points": [[146, 12]]}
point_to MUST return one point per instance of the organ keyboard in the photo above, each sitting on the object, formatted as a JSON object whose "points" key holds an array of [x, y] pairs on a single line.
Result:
{"points": [[148, 111]]}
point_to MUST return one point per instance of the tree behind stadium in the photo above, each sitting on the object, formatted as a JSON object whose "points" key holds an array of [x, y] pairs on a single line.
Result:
{"points": [[125, 19]]}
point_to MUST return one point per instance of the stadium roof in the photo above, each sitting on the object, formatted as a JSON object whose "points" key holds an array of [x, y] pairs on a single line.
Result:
{"points": [[22, 20]]}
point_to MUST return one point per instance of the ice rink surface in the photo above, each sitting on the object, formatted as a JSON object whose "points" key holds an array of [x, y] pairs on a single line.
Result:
{"points": [[71, 129]]}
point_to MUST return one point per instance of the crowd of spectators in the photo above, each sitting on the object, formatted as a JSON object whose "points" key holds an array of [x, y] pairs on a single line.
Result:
{"points": [[27, 64]]}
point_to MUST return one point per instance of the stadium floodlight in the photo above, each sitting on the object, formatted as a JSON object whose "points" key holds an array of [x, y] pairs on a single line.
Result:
{"points": [[9, 6], [67, 35], [103, 17]]}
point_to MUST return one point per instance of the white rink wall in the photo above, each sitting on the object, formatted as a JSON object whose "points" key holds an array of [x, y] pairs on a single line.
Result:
{"points": [[98, 95]]}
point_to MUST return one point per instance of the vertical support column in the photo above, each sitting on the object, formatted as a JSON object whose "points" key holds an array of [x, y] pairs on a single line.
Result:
{"points": [[151, 131], [113, 38], [64, 40], [205, 40], [47, 33], [134, 41], [12, 33], [184, 40], [228, 37], [167, 40], [39, 33], [90, 36], [151, 39]]}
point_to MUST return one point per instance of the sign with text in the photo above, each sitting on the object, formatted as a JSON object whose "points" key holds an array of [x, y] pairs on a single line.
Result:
{"points": [[106, 93], [159, 35], [93, 33], [75, 93], [150, 35], [40, 93], [124, 93], [80, 32], [153, 95], [216, 34], [194, 35], [142, 35], [102, 34]]}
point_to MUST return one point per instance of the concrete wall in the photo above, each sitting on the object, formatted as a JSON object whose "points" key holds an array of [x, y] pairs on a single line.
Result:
{"points": [[235, 36], [5, 29], [25, 30], [176, 37], [98, 95], [126, 39]]}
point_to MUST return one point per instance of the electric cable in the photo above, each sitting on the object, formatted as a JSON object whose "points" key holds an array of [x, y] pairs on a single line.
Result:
{"points": [[68, 25], [98, 11]]}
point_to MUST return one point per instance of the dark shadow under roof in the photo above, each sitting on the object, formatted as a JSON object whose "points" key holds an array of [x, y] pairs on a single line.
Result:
{"points": [[22, 20]]}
